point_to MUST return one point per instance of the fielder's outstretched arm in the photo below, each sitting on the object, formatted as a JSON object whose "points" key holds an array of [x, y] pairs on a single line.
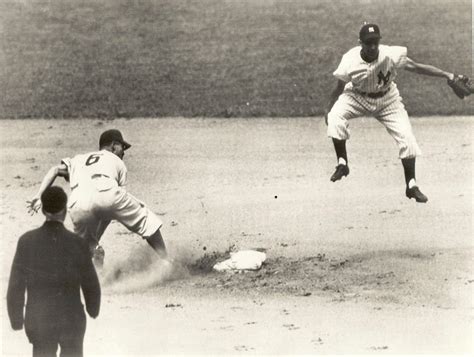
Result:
{"points": [[427, 69], [35, 204]]}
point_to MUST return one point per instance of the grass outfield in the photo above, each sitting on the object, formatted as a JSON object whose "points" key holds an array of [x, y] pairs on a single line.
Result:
{"points": [[213, 57]]}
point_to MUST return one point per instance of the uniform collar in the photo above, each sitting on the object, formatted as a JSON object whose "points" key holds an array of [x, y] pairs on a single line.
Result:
{"points": [[373, 61], [49, 223]]}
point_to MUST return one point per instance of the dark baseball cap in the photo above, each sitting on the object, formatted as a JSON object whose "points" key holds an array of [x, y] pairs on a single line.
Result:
{"points": [[369, 32], [53, 199], [112, 135]]}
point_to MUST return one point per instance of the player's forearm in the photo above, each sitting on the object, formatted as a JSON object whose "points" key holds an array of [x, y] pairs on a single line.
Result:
{"points": [[48, 180], [428, 70], [432, 71]]}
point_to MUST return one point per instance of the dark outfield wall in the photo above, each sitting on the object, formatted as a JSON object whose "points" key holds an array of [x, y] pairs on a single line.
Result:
{"points": [[214, 57]]}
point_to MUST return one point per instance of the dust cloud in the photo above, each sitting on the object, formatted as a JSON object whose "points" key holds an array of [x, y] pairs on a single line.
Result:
{"points": [[143, 269]]}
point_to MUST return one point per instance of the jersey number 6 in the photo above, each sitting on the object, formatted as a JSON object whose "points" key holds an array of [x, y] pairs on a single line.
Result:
{"points": [[92, 159]]}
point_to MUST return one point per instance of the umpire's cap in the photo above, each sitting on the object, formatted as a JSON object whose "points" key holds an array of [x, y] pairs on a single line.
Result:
{"points": [[368, 32], [53, 199], [112, 135]]}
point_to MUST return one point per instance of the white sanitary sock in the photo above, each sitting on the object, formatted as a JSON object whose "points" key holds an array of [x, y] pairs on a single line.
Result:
{"points": [[342, 161]]}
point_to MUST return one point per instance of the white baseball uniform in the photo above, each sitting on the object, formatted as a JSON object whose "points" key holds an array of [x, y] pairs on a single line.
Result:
{"points": [[98, 195], [370, 91]]}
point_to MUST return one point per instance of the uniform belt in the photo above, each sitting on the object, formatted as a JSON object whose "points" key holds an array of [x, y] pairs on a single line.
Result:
{"points": [[92, 177], [375, 95], [99, 175]]}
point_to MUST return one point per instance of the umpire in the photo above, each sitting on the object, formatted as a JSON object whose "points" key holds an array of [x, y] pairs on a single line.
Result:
{"points": [[52, 265]]}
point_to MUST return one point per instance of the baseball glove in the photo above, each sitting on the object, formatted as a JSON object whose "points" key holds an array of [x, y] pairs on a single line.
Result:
{"points": [[461, 85]]}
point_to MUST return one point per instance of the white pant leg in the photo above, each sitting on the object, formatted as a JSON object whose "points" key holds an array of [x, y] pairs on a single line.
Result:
{"points": [[93, 210], [346, 107], [87, 223], [395, 119], [133, 213]]}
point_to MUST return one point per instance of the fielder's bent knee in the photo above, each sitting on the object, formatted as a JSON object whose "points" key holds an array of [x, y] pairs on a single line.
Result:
{"points": [[153, 224], [408, 148], [337, 127], [148, 224]]}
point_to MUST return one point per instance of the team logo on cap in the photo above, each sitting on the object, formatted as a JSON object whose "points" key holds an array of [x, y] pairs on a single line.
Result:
{"points": [[371, 29]]}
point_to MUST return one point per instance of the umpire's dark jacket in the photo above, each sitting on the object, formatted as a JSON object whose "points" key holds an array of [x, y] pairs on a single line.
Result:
{"points": [[52, 265]]}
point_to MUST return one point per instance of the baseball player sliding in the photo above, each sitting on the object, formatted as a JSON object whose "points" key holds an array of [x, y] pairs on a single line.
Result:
{"points": [[98, 195], [366, 86]]}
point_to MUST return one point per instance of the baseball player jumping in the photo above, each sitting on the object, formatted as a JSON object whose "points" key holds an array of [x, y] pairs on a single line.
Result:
{"points": [[366, 86], [98, 195]]}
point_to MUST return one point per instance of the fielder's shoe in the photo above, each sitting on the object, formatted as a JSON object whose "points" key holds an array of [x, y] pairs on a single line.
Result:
{"points": [[341, 170], [98, 257], [415, 193]]}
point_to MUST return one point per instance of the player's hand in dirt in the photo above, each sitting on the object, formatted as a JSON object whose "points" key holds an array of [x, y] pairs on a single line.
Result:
{"points": [[34, 205]]}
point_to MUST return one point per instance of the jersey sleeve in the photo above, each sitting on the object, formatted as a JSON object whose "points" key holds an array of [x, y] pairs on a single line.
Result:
{"points": [[398, 54], [341, 71], [68, 163], [122, 174]]}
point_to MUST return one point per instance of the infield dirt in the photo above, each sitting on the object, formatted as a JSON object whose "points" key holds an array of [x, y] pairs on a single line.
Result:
{"points": [[353, 266]]}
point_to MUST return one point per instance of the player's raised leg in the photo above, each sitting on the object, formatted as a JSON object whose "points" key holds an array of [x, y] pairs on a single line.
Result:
{"points": [[412, 190], [344, 109], [138, 218], [342, 168], [157, 243], [395, 119]]}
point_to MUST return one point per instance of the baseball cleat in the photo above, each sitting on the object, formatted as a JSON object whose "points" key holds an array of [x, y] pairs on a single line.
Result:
{"points": [[341, 170], [415, 193]]}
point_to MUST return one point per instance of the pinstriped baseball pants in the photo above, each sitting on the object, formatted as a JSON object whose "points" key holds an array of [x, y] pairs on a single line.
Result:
{"points": [[389, 110]]}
